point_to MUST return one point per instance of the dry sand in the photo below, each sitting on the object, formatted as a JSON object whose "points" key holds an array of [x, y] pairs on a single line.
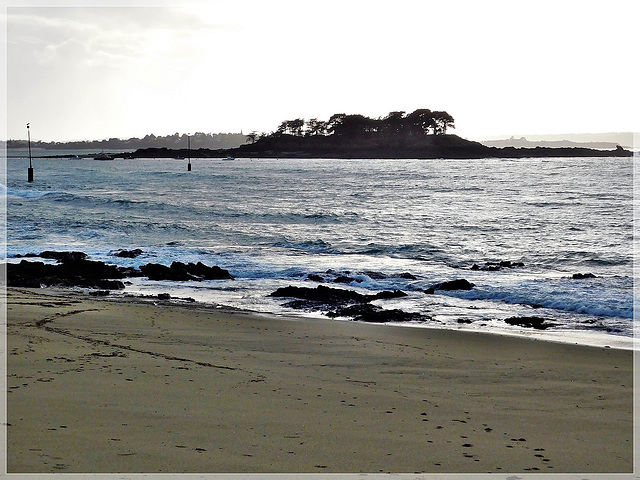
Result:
{"points": [[97, 385]]}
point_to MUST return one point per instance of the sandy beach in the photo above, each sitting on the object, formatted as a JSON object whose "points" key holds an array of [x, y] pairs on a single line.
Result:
{"points": [[102, 385]]}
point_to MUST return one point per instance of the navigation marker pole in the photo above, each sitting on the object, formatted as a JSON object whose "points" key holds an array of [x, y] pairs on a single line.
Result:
{"points": [[30, 170], [189, 148]]}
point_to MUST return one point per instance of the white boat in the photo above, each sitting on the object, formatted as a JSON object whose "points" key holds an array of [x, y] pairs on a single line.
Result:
{"points": [[103, 156], [228, 159]]}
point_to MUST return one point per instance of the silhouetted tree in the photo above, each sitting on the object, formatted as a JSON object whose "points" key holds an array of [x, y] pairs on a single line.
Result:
{"points": [[420, 121], [292, 127], [334, 122], [355, 125], [393, 123], [442, 121], [316, 127]]}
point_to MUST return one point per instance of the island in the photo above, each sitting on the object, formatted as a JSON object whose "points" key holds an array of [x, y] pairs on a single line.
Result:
{"points": [[421, 134]]}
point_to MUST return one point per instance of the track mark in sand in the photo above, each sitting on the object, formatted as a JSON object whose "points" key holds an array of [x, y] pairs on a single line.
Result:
{"points": [[44, 321], [94, 341]]}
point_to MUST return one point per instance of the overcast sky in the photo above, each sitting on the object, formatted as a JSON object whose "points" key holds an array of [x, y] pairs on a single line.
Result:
{"points": [[498, 67]]}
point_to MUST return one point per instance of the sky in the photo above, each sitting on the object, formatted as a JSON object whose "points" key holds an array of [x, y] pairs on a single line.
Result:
{"points": [[91, 70]]}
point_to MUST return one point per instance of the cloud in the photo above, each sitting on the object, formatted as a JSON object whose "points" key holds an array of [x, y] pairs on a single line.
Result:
{"points": [[222, 66]]}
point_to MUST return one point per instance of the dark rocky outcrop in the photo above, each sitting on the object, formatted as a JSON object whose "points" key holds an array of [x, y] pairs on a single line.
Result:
{"points": [[74, 270], [496, 266], [346, 276], [179, 271], [69, 273], [136, 252], [336, 302], [320, 294], [344, 279], [374, 314], [328, 295], [458, 284], [60, 256], [538, 323], [582, 276]]}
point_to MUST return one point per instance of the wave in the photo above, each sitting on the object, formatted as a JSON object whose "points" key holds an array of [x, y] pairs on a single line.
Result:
{"points": [[11, 192], [311, 246], [601, 300], [69, 197]]}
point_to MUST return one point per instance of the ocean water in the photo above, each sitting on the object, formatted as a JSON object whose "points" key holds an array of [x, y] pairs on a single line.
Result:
{"points": [[272, 222]]}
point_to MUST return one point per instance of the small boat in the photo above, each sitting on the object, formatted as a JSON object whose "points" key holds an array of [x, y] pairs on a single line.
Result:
{"points": [[103, 156], [228, 159]]}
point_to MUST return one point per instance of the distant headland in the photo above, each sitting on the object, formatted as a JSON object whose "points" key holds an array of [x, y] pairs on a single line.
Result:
{"points": [[421, 134]]}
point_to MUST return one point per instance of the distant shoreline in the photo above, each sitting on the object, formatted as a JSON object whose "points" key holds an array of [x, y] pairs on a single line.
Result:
{"points": [[339, 147], [425, 147]]}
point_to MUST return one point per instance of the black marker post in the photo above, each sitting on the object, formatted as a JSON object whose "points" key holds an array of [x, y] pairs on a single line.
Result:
{"points": [[189, 154], [30, 171]]}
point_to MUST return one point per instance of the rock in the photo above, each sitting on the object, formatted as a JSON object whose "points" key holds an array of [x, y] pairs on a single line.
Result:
{"points": [[164, 296], [307, 305], [315, 278], [407, 276], [581, 276], [179, 271], [130, 272], [346, 303], [156, 271], [129, 253], [359, 309], [386, 316], [107, 284], [73, 272], [343, 279], [386, 294], [320, 294], [496, 266], [374, 275], [458, 284], [538, 323], [63, 256], [374, 314], [333, 296]]}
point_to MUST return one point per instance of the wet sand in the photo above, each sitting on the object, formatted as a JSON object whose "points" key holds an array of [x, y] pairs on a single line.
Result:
{"points": [[99, 385]]}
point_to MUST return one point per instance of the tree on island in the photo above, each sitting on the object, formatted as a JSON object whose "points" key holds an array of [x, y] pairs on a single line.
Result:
{"points": [[316, 127], [419, 122], [291, 127], [442, 121]]}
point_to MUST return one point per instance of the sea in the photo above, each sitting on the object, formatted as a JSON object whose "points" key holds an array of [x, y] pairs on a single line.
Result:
{"points": [[383, 224]]}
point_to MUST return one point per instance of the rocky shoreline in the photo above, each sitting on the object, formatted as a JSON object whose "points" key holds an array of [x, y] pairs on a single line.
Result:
{"points": [[72, 269]]}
